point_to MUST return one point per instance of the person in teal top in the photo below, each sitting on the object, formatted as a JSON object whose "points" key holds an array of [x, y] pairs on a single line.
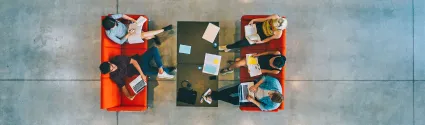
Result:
{"points": [[267, 94], [118, 31]]}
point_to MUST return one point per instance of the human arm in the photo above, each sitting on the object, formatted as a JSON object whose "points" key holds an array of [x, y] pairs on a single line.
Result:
{"points": [[128, 18], [257, 103], [126, 93], [137, 66], [254, 88], [266, 53], [273, 16], [116, 39], [277, 35], [266, 71]]}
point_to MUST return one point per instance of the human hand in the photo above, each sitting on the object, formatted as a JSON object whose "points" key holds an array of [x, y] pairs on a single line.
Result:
{"points": [[131, 31], [258, 41], [250, 98], [144, 78], [255, 55], [253, 88], [132, 97]]}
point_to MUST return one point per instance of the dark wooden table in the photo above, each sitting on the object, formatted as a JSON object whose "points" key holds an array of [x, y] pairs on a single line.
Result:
{"points": [[189, 66]]}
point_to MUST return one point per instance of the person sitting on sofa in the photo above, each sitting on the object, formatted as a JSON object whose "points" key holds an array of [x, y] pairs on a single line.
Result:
{"points": [[268, 28], [270, 62], [267, 94], [118, 32], [121, 66]]}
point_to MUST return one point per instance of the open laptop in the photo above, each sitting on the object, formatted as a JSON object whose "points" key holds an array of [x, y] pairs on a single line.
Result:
{"points": [[244, 91], [138, 84]]}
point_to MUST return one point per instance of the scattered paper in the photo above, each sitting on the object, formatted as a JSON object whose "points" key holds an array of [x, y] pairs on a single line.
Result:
{"points": [[185, 49], [211, 32], [211, 64], [253, 66]]}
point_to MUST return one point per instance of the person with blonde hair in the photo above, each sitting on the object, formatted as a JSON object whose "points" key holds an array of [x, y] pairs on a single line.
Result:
{"points": [[268, 28]]}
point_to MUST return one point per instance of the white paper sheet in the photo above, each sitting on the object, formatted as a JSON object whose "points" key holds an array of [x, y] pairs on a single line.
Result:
{"points": [[136, 37], [211, 64], [185, 49], [211, 32], [253, 66]]}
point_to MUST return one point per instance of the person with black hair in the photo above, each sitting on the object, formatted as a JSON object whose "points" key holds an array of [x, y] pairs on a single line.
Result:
{"points": [[121, 66], [270, 62], [118, 31]]}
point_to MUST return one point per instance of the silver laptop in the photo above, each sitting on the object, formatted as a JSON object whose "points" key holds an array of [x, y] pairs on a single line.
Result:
{"points": [[244, 91], [137, 85]]}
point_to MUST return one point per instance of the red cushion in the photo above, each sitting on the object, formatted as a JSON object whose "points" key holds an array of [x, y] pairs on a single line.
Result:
{"points": [[110, 95], [131, 52]]}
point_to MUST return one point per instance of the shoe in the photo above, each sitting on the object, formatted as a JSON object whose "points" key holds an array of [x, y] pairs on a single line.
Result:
{"points": [[226, 71], [165, 75], [169, 27], [156, 39], [223, 48]]}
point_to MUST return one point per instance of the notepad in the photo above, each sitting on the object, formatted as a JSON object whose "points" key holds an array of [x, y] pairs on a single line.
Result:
{"points": [[185, 49], [211, 32], [211, 64], [253, 66]]}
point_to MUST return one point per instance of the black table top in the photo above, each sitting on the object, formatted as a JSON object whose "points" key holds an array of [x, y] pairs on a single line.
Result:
{"points": [[190, 65], [200, 82], [190, 33]]}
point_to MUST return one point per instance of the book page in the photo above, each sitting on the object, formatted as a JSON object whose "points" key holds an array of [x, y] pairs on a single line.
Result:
{"points": [[211, 32]]}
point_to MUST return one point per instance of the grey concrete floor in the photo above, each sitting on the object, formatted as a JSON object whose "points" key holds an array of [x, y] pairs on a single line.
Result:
{"points": [[350, 62]]}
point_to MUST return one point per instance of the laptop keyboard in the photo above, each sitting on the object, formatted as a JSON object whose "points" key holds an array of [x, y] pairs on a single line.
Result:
{"points": [[138, 87]]}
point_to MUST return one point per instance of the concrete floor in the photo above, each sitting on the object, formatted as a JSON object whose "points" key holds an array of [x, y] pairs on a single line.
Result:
{"points": [[350, 62]]}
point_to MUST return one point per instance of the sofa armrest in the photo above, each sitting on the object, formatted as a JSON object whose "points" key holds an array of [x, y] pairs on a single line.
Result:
{"points": [[110, 95], [254, 109], [128, 108]]}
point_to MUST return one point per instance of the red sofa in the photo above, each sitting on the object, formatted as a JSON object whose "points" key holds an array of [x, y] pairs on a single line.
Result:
{"points": [[111, 98], [273, 45]]}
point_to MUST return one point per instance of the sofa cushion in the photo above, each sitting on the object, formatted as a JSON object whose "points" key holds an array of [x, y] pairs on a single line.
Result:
{"points": [[131, 52], [110, 95]]}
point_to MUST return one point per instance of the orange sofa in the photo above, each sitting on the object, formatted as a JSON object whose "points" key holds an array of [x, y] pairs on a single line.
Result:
{"points": [[111, 98], [273, 45]]}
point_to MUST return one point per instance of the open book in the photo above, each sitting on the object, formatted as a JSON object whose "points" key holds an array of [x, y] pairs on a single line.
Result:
{"points": [[251, 33], [137, 27], [253, 66]]}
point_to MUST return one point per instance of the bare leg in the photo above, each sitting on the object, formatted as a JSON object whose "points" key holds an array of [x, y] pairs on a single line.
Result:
{"points": [[151, 33], [148, 38], [237, 64]]}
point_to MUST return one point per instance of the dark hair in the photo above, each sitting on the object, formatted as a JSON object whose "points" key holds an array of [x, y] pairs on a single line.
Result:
{"points": [[105, 67], [108, 22], [277, 97], [279, 62]]}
